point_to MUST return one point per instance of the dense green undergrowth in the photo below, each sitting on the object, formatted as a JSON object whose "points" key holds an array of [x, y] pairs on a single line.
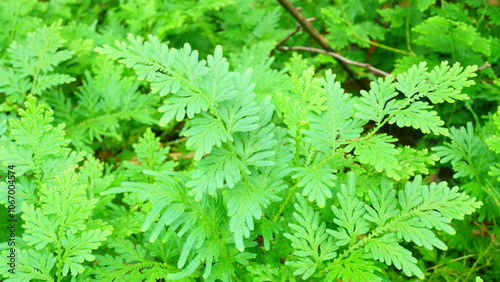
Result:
{"points": [[217, 141]]}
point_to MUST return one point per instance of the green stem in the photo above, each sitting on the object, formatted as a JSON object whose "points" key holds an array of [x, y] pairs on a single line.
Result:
{"points": [[285, 202], [408, 43], [483, 14], [473, 268]]}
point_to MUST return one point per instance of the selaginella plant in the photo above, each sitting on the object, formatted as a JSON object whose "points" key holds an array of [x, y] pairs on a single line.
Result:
{"points": [[317, 191], [59, 230]]}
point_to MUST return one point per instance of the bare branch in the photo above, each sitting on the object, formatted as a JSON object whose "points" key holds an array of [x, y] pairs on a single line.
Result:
{"points": [[293, 32], [319, 39], [336, 56], [485, 65]]}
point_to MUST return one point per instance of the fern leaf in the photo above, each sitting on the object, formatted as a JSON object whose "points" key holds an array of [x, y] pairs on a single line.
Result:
{"points": [[417, 115], [173, 207], [244, 203], [317, 183], [383, 204], [145, 57], [357, 267], [467, 153], [379, 152], [106, 102], [386, 249], [313, 245], [204, 132], [493, 141], [221, 167], [349, 215], [218, 82], [33, 61], [188, 64], [182, 105], [421, 208], [414, 161], [413, 81], [150, 156], [79, 248], [413, 230], [40, 229], [448, 82], [31, 265], [307, 98], [378, 102], [240, 114], [46, 81], [340, 112], [254, 147]]}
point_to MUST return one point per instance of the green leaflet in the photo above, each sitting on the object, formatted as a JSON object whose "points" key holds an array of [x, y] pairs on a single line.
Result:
{"points": [[309, 236]]}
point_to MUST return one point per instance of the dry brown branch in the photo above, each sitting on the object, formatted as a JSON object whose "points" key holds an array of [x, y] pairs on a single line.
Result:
{"points": [[307, 26], [336, 56]]}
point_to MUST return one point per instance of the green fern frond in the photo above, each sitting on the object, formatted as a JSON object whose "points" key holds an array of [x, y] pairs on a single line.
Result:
{"points": [[467, 153], [373, 231], [32, 63], [313, 245]]}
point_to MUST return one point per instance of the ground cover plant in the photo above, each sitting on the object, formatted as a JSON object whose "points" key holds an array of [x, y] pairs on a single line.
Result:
{"points": [[238, 140]]}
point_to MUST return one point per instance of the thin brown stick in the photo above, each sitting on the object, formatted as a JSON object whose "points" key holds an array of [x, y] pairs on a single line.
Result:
{"points": [[293, 32], [319, 39], [485, 65], [336, 56]]}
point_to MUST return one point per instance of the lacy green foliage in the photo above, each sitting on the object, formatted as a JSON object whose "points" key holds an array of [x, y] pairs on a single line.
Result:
{"points": [[248, 22], [368, 232], [243, 164], [323, 144], [223, 112], [474, 158], [31, 65], [493, 141], [448, 36], [106, 100], [150, 156], [59, 232], [16, 20], [262, 170], [160, 17]]}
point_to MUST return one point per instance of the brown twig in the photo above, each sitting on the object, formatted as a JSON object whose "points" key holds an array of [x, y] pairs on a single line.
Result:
{"points": [[293, 32], [336, 56], [319, 39], [485, 65]]}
